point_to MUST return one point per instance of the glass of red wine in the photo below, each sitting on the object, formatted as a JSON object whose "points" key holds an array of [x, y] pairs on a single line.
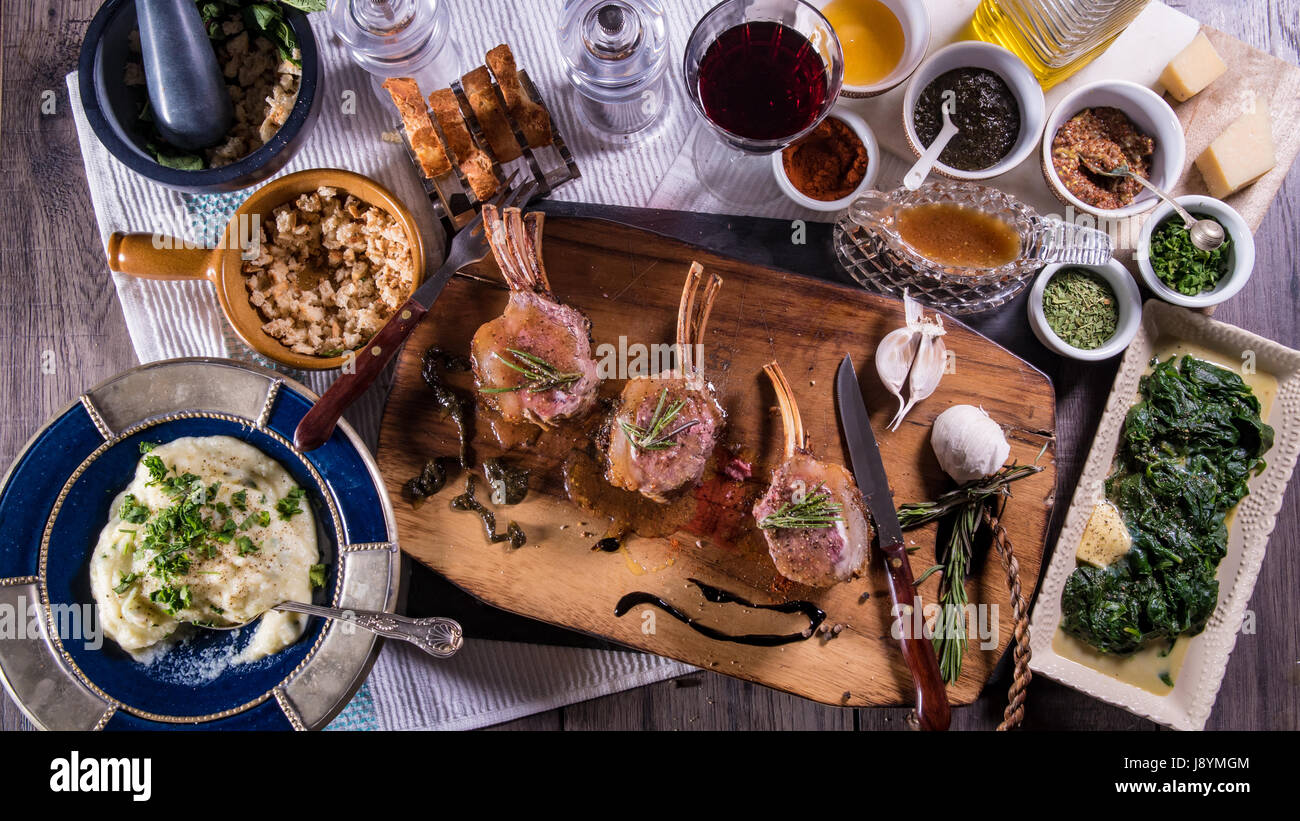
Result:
{"points": [[763, 73]]}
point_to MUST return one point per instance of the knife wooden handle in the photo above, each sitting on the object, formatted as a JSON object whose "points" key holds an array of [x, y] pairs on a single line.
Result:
{"points": [[932, 711], [318, 425]]}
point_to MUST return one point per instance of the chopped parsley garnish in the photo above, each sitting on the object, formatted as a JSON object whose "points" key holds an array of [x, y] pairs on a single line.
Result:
{"points": [[261, 517], [178, 534], [317, 576], [132, 511], [288, 506], [172, 599], [157, 470], [226, 533], [219, 611], [145, 447], [128, 579]]}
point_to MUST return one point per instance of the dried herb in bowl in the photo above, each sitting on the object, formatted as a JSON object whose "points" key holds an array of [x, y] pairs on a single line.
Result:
{"points": [[1080, 308], [1181, 265]]}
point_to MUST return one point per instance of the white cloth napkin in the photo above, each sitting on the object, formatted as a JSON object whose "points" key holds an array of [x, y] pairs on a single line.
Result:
{"points": [[490, 681]]}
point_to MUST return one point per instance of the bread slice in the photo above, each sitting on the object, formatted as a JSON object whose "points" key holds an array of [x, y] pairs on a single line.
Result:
{"points": [[533, 119], [474, 163], [485, 102], [428, 149]]}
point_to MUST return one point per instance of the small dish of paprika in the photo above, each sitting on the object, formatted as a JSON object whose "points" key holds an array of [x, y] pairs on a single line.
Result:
{"points": [[829, 167]]}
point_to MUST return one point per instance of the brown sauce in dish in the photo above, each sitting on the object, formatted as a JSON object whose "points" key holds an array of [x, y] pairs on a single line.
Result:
{"points": [[957, 236]]}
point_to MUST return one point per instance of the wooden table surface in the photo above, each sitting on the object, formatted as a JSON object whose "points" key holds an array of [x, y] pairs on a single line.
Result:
{"points": [[61, 331]]}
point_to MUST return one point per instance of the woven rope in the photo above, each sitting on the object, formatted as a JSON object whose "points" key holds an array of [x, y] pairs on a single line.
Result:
{"points": [[1015, 710]]}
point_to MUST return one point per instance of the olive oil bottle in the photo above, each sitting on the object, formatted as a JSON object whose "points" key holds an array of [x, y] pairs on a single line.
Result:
{"points": [[1055, 38]]}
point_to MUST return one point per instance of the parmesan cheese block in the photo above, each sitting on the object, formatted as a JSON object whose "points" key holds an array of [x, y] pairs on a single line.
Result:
{"points": [[1193, 69], [1240, 155], [1105, 539]]}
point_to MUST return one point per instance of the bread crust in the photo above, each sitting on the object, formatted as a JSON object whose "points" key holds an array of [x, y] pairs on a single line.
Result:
{"points": [[429, 151], [488, 110], [473, 162], [532, 118]]}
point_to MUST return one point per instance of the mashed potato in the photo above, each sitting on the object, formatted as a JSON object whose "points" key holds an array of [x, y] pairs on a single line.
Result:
{"points": [[211, 531]]}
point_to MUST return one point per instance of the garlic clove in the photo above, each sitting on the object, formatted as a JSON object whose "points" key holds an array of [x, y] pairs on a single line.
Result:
{"points": [[927, 371], [894, 357]]}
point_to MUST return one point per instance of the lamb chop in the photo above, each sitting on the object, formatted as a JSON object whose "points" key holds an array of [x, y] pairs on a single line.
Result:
{"points": [[812, 515], [533, 363], [667, 424]]}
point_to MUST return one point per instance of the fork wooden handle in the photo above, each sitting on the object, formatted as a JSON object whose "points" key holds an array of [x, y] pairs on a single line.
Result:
{"points": [[318, 425]]}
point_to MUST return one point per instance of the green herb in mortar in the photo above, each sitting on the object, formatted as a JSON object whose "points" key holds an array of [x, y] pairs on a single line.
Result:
{"points": [[1080, 308], [1180, 264]]}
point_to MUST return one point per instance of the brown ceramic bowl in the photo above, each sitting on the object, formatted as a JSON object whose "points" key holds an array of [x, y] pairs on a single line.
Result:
{"points": [[153, 256]]}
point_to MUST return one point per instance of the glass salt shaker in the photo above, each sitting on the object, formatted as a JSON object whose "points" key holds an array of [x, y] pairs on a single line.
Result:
{"points": [[398, 38], [616, 53]]}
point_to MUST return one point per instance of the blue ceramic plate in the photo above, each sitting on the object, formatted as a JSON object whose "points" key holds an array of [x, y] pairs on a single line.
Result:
{"points": [[55, 499]]}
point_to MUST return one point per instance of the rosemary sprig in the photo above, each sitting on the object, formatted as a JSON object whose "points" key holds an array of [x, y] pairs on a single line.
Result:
{"points": [[539, 375], [815, 511], [966, 504], [652, 436], [950, 629], [917, 514]]}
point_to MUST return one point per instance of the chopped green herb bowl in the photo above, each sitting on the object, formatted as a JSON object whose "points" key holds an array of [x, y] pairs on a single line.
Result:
{"points": [[1240, 256], [1128, 300]]}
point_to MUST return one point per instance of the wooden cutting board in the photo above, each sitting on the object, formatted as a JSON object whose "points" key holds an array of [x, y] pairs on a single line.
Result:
{"points": [[628, 282]]}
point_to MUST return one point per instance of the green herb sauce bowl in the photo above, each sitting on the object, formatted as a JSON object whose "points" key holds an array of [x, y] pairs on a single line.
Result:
{"points": [[1127, 297], [1241, 256]]}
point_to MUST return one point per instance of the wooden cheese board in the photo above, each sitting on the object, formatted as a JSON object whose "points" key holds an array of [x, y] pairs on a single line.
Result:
{"points": [[628, 282]]}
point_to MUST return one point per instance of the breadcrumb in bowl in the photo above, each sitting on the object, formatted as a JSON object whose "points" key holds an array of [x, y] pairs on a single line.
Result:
{"points": [[332, 256], [336, 256]]}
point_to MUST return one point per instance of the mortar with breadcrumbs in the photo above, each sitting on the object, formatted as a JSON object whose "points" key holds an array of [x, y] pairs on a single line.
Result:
{"points": [[284, 321]]}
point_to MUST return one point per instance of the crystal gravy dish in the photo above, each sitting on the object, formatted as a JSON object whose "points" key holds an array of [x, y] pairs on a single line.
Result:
{"points": [[869, 244]]}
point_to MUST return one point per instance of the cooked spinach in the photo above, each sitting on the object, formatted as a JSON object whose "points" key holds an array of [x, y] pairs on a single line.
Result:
{"points": [[1187, 448]]}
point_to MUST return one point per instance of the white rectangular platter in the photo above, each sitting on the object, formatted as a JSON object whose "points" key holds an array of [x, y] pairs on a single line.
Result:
{"points": [[1187, 706]]}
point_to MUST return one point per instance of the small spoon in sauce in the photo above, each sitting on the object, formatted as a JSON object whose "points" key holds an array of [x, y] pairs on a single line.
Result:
{"points": [[1206, 234], [439, 637], [918, 172]]}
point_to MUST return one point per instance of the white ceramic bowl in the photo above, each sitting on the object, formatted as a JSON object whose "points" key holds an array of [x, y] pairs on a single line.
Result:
{"points": [[914, 17], [1149, 113], [1241, 257], [1018, 77], [868, 138], [1127, 296]]}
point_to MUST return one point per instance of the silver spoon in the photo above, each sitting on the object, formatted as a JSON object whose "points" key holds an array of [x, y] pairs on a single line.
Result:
{"points": [[1206, 234], [437, 636], [921, 169]]}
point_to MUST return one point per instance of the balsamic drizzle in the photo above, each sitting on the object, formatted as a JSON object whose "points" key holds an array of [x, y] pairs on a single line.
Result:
{"points": [[609, 544], [810, 611]]}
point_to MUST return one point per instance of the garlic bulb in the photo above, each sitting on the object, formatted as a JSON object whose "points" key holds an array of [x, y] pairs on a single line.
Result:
{"points": [[914, 356], [968, 443]]}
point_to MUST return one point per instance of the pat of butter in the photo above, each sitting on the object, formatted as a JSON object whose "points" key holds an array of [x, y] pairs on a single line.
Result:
{"points": [[1105, 539], [1193, 69], [1240, 155]]}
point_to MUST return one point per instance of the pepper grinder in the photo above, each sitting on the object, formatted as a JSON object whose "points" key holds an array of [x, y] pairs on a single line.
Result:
{"points": [[616, 53], [398, 38]]}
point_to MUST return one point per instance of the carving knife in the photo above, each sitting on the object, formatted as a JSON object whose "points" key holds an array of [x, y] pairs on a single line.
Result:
{"points": [[932, 710]]}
